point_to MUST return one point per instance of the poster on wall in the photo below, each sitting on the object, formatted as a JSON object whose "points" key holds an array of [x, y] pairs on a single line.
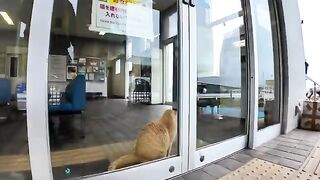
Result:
{"points": [[92, 68], [102, 67], [91, 76], [89, 69], [82, 69], [95, 69], [57, 68], [82, 62], [100, 77], [71, 72], [123, 17]]}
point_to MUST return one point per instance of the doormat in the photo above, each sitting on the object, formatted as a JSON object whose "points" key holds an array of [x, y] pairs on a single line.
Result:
{"points": [[260, 169]]}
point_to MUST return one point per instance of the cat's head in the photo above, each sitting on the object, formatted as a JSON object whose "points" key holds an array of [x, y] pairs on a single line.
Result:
{"points": [[170, 113]]}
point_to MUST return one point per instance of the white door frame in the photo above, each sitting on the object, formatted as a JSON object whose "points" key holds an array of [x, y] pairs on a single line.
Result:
{"points": [[37, 103], [37, 111], [213, 152]]}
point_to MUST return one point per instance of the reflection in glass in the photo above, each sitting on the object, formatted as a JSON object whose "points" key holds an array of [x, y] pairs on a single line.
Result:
{"points": [[222, 71], [267, 51], [15, 18], [110, 75]]}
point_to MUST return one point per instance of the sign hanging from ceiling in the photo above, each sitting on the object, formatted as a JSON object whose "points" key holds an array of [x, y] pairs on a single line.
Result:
{"points": [[123, 17]]}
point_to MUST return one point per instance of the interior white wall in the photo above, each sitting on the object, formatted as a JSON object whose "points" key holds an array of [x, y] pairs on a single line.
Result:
{"points": [[296, 59]]}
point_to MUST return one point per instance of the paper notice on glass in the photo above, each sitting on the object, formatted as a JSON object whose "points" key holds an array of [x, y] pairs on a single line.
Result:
{"points": [[139, 21], [57, 68], [123, 17]]}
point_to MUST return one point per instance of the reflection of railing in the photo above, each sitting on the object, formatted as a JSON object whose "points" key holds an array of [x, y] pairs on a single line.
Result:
{"points": [[219, 95], [315, 84]]}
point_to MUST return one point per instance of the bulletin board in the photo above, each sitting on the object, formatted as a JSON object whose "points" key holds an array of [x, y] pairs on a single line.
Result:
{"points": [[94, 69], [62, 70]]}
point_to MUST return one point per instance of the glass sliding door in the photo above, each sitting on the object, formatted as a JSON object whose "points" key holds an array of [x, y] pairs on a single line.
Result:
{"points": [[219, 93], [267, 50], [113, 101], [168, 74], [219, 78], [268, 65], [221, 71], [15, 16]]}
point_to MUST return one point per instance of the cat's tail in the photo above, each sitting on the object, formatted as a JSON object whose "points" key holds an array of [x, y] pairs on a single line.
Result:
{"points": [[125, 161]]}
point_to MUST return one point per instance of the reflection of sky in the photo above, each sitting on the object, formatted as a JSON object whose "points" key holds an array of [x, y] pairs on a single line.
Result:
{"points": [[310, 14], [173, 19], [216, 53], [74, 5], [143, 47], [263, 39], [216, 50], [221, 9]]}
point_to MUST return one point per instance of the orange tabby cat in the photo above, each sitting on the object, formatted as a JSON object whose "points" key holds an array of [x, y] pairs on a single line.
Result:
{"points": [[154, 142]]}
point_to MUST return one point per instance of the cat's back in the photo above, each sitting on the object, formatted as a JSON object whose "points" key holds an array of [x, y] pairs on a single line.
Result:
{"points": [[153, 141]]}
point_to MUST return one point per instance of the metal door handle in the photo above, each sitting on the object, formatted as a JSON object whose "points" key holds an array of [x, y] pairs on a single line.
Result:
{"points": [[185, 2], [192, 4]]}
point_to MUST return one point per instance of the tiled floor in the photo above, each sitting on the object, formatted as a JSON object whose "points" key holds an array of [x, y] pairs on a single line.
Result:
{"points": [[290, 150], [312, 164]]}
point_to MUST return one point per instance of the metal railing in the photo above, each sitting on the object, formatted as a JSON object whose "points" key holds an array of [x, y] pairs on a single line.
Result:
{"points": [[315, 84]]}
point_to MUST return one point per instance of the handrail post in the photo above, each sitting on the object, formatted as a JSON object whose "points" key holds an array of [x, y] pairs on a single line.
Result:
{"points": [[315, 92]]}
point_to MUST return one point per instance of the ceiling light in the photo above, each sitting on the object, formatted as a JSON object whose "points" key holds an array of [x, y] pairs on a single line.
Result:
{"points": [[22, 29], [6, 17]]}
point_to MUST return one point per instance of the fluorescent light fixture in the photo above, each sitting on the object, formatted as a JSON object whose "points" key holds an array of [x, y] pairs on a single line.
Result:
{"points": [[241, 43], [6, 17], [22, 29], [102, 33]]}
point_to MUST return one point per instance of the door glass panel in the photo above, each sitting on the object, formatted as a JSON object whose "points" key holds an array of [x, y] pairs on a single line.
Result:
{"points": [[15, 16], [222, 71], [108, 81], [168, 72], [268, 63]]}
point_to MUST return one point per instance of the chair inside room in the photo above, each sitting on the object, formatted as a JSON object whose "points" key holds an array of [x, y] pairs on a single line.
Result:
{"points": [[72, 102], [5, 96]]}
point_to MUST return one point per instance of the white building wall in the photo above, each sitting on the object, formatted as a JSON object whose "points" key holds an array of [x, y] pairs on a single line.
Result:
{"points": [[296, 59], [309, 12]]}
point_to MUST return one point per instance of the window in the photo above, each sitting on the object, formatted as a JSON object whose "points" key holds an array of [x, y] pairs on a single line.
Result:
{"points": [[118, 67], [13, 66]]}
